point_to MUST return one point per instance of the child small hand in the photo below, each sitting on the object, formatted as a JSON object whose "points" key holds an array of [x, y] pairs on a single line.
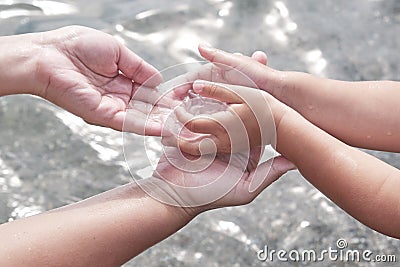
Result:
{"points": [[248, 121]]}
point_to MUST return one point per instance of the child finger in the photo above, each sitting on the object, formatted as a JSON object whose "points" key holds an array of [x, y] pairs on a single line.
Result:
{"points": [[215, 124], [191, 148], [203, 125], [198, 147], [219, 56], [216, 91], [196, 124], [260, 56]]}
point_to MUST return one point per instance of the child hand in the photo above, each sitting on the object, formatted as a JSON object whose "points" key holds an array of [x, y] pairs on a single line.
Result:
{"points": [[255, 68], [248, 121]]}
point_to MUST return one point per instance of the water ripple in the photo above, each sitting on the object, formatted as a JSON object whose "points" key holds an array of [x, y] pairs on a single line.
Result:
{"points": [[9, 9]]}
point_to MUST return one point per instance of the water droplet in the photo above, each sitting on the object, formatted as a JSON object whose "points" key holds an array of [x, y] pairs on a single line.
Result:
{"points": [[389, 134], [310, 107], [304, 224]]}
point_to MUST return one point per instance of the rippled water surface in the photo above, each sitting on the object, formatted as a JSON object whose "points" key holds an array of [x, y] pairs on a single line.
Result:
{"points": [[49, 158]]}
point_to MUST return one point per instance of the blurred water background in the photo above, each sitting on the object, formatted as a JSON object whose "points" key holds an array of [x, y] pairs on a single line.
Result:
{"points": [[49, 158]]}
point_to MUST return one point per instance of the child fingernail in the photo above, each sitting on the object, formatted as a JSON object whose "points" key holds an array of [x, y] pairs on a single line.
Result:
{"points": [[206, 46], [198, 87]]}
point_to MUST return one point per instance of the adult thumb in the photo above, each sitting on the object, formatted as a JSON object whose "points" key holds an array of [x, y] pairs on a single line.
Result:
{"points": [[268, 172]]}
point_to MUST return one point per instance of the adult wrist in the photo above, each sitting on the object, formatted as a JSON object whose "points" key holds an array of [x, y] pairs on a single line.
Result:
{"points": [[44, 64], [18, 64]]}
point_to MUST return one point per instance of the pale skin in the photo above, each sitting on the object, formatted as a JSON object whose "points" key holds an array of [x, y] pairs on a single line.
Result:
{"points": [[362, 185], [92, 75], [84, 71]]}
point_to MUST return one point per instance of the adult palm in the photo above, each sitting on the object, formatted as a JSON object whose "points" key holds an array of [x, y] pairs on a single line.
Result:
{"points": [[91, 74], [229, 180]]}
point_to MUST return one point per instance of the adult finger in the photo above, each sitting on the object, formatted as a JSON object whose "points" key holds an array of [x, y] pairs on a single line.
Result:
{"points": [[142, 107], [268, 172], [136, 122], [146, 94], [155, 97], [169, 140], [136, 69]]}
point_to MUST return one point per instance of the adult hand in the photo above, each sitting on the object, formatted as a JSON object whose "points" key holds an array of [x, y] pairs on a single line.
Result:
{"points": [[149, 110], [225, 182], [90, 74]]}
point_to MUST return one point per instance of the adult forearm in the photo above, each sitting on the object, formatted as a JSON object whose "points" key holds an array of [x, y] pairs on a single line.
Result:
{"points": [[363, 114], [359, 183], [105, 230], [18, 63]]}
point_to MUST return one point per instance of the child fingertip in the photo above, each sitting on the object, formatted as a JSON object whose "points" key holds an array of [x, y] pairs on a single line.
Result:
{"points": [[178, 110], [205, 45], [198, 87]]}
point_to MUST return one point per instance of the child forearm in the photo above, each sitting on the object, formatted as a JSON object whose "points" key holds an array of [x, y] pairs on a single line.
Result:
{"points": [[362, 185], [105, 230], [363, 114]]}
